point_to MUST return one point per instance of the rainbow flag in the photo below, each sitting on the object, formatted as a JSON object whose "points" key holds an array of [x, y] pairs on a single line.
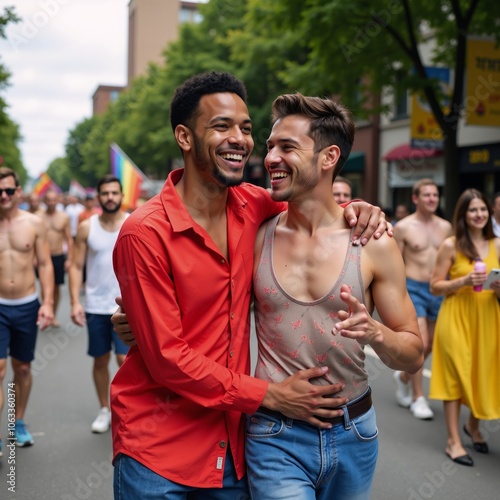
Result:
{"points": [[44, 183], [130, 176]]}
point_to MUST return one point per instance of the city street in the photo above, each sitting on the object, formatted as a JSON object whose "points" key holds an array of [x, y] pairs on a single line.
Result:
{"points": [[68, 462]]}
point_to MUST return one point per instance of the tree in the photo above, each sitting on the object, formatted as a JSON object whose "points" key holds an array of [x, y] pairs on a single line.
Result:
{"points": [[9, 131], [60, 173], [378, 40]]}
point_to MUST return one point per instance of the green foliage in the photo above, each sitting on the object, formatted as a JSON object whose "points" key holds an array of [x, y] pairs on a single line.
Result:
{"points": [[9, 151], [9, 131], [60, 172], [318, 47]]}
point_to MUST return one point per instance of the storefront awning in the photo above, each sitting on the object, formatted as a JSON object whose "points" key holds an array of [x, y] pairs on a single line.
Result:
{"points": [[406, 152], [355, 162]]}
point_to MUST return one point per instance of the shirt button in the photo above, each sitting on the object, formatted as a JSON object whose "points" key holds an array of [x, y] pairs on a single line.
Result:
{"points": [[222, 261], [230, 354], [232, 315], [222, 444]]}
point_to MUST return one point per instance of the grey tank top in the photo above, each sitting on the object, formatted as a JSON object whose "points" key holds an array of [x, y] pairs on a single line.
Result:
{"points": [[295, 335]]}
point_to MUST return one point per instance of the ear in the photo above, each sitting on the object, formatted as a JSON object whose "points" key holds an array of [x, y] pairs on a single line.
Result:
{"points": [[332, 155], [184, 137]]}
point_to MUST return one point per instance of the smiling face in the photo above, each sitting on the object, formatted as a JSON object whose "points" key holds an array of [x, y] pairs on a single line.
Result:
{"points": [[9, 201], [222, 138], [427, 199], [477, 214], [291, 160]]}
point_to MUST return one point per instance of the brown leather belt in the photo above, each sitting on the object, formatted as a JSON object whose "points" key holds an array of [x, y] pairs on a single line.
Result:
{"points": [[355, 409]]}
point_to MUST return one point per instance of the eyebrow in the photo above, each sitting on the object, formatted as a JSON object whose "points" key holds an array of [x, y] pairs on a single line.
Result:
{"points": [[227, 119], [282, 140]]}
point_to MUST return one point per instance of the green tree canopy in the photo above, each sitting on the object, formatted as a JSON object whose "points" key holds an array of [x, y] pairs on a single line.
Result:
{"points": [[355, 49], [9, 131]]}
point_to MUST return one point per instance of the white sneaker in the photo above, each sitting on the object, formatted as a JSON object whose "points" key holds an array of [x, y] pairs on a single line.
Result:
{"points": [[404, 392], [420, 409], [102, 422]]}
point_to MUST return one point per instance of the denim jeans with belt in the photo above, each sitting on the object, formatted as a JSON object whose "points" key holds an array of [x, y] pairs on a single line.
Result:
{"points": [[291, 460]]}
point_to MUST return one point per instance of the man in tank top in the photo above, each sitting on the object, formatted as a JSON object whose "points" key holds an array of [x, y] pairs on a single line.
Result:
{"points": [[314, 294], [94, 243]]}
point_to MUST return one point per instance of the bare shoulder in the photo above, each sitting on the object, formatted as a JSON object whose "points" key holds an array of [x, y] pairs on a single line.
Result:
{"points": [[29, 218], [83, 229], [443, 223], [404, 225], [448, 244], [381, 248], [496, 242]]}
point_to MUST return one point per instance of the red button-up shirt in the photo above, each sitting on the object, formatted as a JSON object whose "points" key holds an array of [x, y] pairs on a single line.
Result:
{"points": [[179, 398]]}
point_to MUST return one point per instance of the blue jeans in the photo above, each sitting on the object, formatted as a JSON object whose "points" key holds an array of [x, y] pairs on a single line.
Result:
{"points": [[288, 459], [134, 481]]}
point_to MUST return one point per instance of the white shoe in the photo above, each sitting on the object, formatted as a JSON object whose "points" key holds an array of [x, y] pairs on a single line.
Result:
{"points": [[404, 392], [102, 422], [420, 409]]}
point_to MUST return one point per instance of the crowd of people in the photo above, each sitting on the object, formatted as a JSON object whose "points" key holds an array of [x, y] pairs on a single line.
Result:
{"points": [[187, 320]]}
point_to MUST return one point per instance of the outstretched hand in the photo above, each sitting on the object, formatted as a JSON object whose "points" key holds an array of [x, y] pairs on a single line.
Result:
{"points": [[355, 323]]}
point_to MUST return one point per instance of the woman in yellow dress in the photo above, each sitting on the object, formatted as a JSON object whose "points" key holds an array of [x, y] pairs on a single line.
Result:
{"points": [[466, 349]]}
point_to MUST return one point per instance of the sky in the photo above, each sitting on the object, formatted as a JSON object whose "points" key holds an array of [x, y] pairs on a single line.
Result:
{"points": [[57, 56]]}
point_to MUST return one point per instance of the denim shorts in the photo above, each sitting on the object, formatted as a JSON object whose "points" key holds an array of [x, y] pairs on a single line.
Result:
{"points": [[102, 336], [426, 304], [18, 330], [133, 481], [291, 460]]}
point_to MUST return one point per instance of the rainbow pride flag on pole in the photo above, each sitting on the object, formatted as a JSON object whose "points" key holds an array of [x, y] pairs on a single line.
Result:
{"points": [[44, 183], [130, 176]]}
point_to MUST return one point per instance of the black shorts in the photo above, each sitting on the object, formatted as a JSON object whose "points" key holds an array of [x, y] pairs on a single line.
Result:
{"points": [[58, 263]]}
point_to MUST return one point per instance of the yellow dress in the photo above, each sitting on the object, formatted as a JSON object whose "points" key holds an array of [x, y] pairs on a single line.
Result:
{"points": [[466, 349]]}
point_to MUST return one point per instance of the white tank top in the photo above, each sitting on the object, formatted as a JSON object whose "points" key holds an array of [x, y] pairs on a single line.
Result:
{"points": [[101, 286]]}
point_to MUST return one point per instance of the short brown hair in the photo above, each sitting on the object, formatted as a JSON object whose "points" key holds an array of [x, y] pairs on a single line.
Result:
{"points": [[8, 172], [420, 184], [331, 122]]}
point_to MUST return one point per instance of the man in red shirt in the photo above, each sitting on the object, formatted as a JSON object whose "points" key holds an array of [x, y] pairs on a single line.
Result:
{"points": [[184, 263]]}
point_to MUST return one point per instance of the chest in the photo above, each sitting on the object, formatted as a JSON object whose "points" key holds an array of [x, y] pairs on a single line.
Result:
{"points": [[19, 239], [307, 268], [424, 238], [55, 223]]}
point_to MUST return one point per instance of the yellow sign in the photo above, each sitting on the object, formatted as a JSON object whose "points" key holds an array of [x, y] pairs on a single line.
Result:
{"points": [[482, 100], [425, 130]]}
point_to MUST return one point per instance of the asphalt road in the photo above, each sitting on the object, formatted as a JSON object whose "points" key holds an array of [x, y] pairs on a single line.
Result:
{"points": [[68, 462]]}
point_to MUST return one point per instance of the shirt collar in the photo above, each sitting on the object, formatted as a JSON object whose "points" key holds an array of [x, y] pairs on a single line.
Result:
{"points": [[176, 211]]}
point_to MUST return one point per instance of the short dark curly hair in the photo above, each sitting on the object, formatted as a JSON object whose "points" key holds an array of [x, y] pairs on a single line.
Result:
{"points": [[185, 103]]}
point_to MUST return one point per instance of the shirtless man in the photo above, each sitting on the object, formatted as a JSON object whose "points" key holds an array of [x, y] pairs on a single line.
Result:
{"points": [[59, 235], [23, 237], [342, 189], [419, 236], [34, 204]]}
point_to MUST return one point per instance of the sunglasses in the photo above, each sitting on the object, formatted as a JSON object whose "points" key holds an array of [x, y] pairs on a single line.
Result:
{"points": [[9, 191]]}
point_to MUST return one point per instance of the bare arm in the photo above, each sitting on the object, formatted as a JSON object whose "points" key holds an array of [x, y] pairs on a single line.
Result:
{"points": [[440, 283], [397, 339], [69, 242], [399, 236], [76, 273], [46, 277]]}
